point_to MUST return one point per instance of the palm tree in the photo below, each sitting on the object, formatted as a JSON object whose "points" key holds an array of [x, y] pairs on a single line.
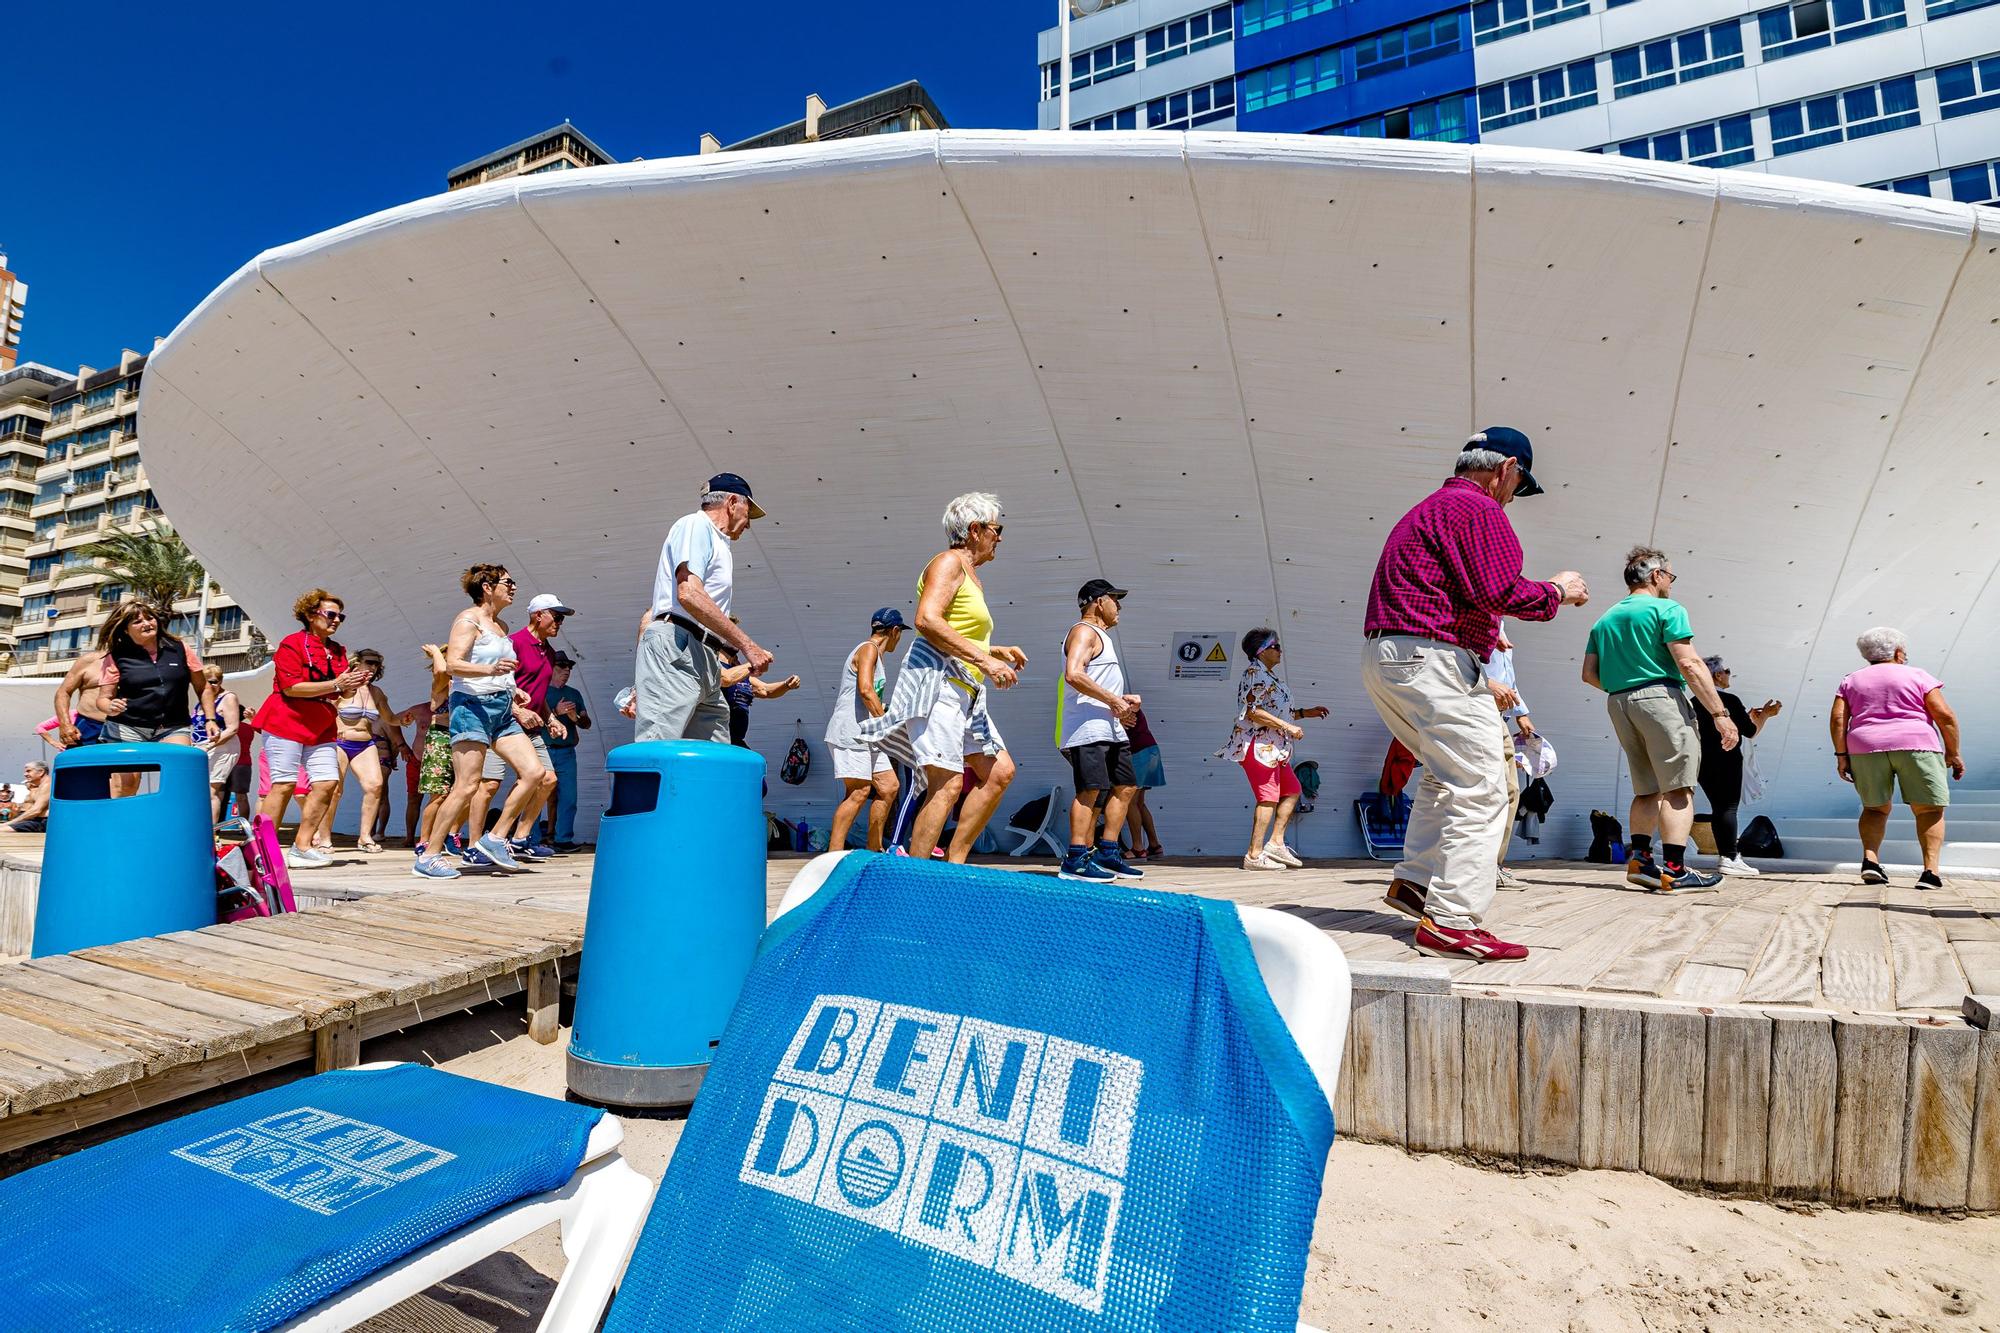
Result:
{"points": [[153, 562]]}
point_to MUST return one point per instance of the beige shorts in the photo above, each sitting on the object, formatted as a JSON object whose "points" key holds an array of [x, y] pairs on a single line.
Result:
{"points": [[1655, 724]]}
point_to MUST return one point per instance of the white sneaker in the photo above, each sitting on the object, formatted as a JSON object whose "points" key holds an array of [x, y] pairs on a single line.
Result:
{"points": [[1507, 879], [307, 859], [1283, 855], [1262, 861], [1736, 865]]}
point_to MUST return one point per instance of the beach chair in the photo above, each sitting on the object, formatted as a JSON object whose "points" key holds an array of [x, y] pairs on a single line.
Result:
{"points": [[1384, 822], [961, 1097], [316, 1205], [1055, 817]]}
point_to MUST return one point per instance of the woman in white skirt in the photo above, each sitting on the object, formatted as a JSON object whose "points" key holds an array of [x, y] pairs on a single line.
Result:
{"points": [[864, 770]]}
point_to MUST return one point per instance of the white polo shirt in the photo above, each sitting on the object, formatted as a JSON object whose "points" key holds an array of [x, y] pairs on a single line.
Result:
{"points": [[696, 542]]}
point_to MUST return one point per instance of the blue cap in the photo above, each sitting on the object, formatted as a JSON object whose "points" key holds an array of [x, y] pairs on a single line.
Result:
{"points": [[732, 484], [887, 618], [1506, 440]]}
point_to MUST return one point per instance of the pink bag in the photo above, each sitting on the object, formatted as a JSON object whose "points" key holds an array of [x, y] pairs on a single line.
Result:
{"points": [[267, 867], [236, 898]]}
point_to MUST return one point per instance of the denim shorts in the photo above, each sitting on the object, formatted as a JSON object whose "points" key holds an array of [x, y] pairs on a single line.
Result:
{"points": [[482, 717]]}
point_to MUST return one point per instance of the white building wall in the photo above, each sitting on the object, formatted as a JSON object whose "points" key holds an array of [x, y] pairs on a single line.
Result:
{"points": [[1129, 18]]}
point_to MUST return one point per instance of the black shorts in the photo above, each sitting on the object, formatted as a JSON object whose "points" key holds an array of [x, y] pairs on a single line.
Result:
{"points": [[1102, 765]]}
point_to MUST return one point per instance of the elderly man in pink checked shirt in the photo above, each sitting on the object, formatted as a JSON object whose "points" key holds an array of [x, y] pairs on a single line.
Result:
{"points": [[1449, 571]]}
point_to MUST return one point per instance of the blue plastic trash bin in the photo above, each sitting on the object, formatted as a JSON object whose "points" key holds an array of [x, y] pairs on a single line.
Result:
{"points": [[676, 908], [123, 869]]}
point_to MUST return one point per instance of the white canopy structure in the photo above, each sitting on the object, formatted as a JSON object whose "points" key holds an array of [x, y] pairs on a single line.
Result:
{"points": [[1212, 368]]}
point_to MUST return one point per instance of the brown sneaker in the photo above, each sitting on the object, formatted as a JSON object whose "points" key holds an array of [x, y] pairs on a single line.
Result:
{"points": [[1405, 897]]}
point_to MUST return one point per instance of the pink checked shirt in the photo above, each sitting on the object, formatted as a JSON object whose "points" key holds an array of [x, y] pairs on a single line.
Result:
{"points": [[1451, 568]]}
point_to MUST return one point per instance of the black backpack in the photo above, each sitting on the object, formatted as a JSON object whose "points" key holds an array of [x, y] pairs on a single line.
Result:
{"points": [[798, 761], [1760, 839], [1604, 830]]}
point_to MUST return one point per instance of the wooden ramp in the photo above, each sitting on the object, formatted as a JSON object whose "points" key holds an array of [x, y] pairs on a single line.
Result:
{"points": [[107, 1031]]}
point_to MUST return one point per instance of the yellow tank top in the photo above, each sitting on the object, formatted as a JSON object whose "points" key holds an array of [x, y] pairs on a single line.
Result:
{"points": [[968, 615]]}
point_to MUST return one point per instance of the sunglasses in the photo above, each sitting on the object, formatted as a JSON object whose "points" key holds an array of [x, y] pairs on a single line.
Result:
{"points": [[334, 616], [998, 528]]}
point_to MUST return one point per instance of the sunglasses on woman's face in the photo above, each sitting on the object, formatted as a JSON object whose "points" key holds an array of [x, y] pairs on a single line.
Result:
{"points": [[507, 582], [335, 616]]}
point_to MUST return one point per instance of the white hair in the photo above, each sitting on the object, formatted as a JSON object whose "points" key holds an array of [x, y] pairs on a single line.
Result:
{"points": [[1880, 644], [38, 766], [716, 499], [1475, 459], [972, 507]]}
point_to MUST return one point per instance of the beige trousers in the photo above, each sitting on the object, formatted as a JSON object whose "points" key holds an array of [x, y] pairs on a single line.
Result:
{"points": [[1433, 700]]}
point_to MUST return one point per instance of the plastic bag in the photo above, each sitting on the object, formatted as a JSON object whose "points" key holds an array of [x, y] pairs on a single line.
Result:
{"points": [[1753, 777]]}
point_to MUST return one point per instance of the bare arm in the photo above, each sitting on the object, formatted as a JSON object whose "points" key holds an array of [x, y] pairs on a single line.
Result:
{"points": [[1946, 722], [1836, 726], [1082, 645], [228, 711], [458, 649], [1590, 676], [390, 723], [72, 682], [1695, 672], [765, 689], [865, 662], [1265, 718], [943, 577]]}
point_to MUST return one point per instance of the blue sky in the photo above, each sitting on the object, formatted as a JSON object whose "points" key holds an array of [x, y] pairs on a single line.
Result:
{"points": [[154, 148]]}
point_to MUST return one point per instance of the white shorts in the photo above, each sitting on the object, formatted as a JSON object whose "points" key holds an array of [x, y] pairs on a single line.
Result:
{"points": [[285, 760], [496, 767], [859, 764], [947, 736], [222, 764]]}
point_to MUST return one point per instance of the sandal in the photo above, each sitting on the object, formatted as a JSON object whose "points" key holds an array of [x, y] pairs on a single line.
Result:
{"points": [[368, 847]]}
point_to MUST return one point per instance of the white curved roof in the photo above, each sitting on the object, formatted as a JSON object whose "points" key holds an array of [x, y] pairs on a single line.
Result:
{"points": [[1214, 369]]}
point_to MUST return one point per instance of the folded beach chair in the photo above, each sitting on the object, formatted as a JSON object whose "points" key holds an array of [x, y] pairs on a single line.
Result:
{"points": [[317, 1205], [955, 1097], [1384, 821]]}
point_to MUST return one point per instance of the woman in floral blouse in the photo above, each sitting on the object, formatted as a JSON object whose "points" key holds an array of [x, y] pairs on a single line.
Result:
{"points": [[1266, 726]]}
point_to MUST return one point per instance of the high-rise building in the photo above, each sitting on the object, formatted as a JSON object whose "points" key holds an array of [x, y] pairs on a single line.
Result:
{"points": [[1145, 65], [893, 110], [563, 148], [1899, 94], [88, 482], [24, 413], [13, 308]]}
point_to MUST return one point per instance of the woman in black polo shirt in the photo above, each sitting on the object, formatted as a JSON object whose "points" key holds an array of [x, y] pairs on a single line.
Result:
{"points": [[151, 672]]}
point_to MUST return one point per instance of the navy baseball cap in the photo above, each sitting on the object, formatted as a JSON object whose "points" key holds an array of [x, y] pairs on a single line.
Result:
{"points": [[1097, 588], [730, 483], [887, 618], [1505, 440]]}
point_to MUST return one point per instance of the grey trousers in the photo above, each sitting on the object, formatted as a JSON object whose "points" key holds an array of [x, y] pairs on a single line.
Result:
{"points": [[678, 687]]}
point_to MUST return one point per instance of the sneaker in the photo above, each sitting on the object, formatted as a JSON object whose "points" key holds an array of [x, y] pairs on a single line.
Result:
{"points": [[434, 867], [306, 858], [1930, 879], [1642, 872], [568, 848], [527, 849], [475, 860], [497, 851], [1283, 855], [1872, 871], [454, 845], [1109, 859], [1085, 869], [1405, 897], [1736, 865], [1481, 946], [1687, 880], [1261, 862], [1507, 879]]}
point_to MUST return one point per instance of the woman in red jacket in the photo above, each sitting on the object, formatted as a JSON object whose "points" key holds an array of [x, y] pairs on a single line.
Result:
{"points": [[310, 673]]}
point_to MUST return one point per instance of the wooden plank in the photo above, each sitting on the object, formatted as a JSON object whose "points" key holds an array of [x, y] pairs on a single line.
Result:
{"points": [[509, 919], [1375, 1036], [1788, 970], [1435, 1042], [1574, 964], [211, 1036], [1424, 976], [159, 1049], [377, 1022], [1736, 1125], [1981, 961], [1871, 1097], [1739, 940], [71, 1068], [318, 999], [336, 1046], [1648, 968], [412, 943], [1492, 1028], [260, 1022], [1937, 1142], [1612, 1041], [1854, 967], [1673, 1090], [1551, 1080], [1982, 1189], [1926, 967], [544, 1002], [431, 972], [531, 943], [1804, 1075], [377, 976], [1709, 983]]}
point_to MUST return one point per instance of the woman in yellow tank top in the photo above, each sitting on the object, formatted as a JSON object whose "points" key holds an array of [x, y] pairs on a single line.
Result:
{"points": [[957, 735]]}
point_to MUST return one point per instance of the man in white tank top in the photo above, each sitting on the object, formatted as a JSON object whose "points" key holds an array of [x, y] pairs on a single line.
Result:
{"points": [[1091, 712]]}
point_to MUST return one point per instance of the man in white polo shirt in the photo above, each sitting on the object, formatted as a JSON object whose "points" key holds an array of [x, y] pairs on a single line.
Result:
{"points": [[678, 685]]}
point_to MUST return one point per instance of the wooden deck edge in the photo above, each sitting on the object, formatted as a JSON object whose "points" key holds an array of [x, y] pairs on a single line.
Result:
{"points": [[1740, 1101]]}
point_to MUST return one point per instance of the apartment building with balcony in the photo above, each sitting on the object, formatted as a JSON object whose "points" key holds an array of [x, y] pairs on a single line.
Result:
{"points": [[24, 413], [563, 148], [13, 308], [88, 481]]}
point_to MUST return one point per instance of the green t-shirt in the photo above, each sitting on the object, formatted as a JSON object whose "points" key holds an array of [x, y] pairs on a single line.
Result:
{"points": [[1631, 640]]}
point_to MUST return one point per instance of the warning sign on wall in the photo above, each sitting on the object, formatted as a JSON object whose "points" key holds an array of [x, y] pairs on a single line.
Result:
{"points": [[1200, 657]]}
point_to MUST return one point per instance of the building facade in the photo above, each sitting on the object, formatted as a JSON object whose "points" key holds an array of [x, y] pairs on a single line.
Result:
{"points": [[86, 481], [13, 309], [901, 109], [1897, 94], [24, 414], [563, 148]]}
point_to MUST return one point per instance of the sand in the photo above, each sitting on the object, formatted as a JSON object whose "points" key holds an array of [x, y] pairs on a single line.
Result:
{"points": [[1417, 1242]]}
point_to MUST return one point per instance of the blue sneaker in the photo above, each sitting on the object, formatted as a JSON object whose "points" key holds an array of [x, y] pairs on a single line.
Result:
{"points": [[497, 851], [454, 845], [530, 850], [1086, 869], [1107, 858], [434, 867], [475, 859]]}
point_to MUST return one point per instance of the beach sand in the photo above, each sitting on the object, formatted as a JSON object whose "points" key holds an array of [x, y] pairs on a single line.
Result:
{"points": [[1414, 1242]]}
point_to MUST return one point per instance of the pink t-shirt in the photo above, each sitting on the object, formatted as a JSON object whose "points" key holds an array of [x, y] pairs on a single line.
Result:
{"points": [[1885, 709]]}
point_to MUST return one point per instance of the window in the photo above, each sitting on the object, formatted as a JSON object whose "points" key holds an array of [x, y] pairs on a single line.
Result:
{"points": [[1969, 88], [1106, 62], [37, 606], [1196, 32], [1534, 96], [1672, 60], [1413, 44], [110, 593], [1127, 119], [1274, 85], [1494, 19], [40, 566], [1854, 114], [46, 525], [1976, 184], [1197, 106], [1940, 8], [1917, 185], [1446, 120], [21, 427], [226, 621], [1721, 143], [1259, 15], [51, 489], [1812, 24], [100, 398]]}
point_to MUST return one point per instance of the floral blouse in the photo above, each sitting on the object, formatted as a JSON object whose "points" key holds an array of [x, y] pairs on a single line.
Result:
{"points": [[1259, 688]]}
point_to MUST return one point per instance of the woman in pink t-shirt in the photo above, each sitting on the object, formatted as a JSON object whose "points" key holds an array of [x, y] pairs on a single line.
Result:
{"points": [[1892, 729]]}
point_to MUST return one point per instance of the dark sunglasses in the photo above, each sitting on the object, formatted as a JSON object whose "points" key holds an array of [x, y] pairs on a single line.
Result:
{"points": [[998, 528], [507, 582], [335, 616]]}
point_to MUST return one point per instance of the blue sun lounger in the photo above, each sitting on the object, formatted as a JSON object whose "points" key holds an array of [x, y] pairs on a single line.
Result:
{"points": [[316, 1205]]}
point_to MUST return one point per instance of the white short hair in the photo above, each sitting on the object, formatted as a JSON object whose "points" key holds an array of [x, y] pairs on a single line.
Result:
{"points": [[1475, 459], [972, 507], [38, 766], [1880, 644], [716, 499]]}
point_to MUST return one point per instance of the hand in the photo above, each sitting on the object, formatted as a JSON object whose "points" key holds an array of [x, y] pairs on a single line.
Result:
{"points": [[113, 707], [567, 708], [1296, 732], [1013, 656], [70, 735], [1504, 695], [1127, 708], [1524, 728], [1772, 707], [996, 671], [1316, 711], [630, 708], [1840, 764], [756, 659], [1725, 731], [1575, 592], [557, 731], [1957, 766]]}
